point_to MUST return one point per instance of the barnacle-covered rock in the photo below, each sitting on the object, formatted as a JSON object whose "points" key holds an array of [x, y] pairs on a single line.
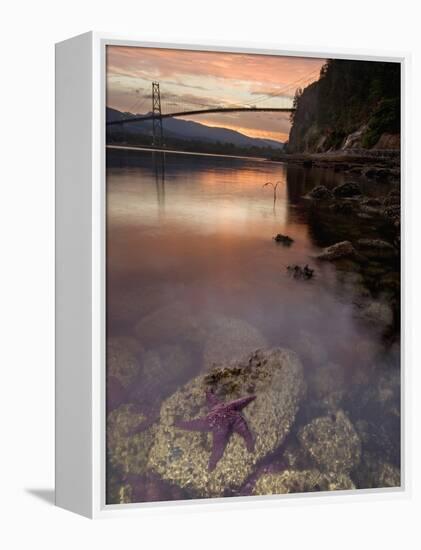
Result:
{"points": [[275, 377], [332, 442], [301, 481], [230, 339], [129, 439]]}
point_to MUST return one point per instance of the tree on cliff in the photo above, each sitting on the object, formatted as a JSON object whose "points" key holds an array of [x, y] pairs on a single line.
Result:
{"points": [[349, 95]]}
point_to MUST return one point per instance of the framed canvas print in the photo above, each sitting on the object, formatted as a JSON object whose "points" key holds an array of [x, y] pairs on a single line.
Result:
{"points": [[229, 284]]}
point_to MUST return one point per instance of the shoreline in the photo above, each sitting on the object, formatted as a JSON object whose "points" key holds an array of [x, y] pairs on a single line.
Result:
{"points": [[352, 160]]}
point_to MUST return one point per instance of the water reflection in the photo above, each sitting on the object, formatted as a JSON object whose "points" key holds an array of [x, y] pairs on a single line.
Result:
{"points": [[158, 160], [190, 237]]}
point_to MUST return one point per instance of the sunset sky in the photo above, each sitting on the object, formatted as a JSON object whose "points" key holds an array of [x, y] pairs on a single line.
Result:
{"points": [[192, 79]]}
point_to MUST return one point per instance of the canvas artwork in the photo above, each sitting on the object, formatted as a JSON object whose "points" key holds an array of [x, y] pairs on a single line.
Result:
{"points": [[252, 274]]}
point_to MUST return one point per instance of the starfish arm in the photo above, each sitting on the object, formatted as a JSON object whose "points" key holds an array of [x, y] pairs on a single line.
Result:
{"points": [[197, 424], [212, 400], [220, 440], [239, 404], [240, 427]]}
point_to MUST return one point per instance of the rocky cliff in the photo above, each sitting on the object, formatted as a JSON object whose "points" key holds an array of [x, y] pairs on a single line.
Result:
{"points": [[354, 104]]}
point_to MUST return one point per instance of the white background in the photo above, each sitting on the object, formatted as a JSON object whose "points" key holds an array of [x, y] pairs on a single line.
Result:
{"points": [[29, 30]]}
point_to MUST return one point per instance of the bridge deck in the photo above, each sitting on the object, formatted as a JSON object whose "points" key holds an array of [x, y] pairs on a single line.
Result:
{"points": [[204, 111]]}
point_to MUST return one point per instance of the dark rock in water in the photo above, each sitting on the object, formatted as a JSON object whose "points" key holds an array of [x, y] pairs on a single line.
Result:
{"points": [[117, 394], [347, 190], [371, 201], [307, 163], [320, 193], [375, 473], [343, 207], [393, 215], [332, 442], [377, 173], [284, 239], [392, 199], [341, 166], [376, 245], [299, 272], [344, 249]]}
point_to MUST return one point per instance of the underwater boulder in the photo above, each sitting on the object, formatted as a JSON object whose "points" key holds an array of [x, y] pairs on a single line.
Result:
{"points": [[129, 439], [347, 190], [229, 339], [301, 481], [122, 360], [332, 442], [163, 370], [375, 312], [273, 377], [376, 473], [173, 323], [311, 349]]}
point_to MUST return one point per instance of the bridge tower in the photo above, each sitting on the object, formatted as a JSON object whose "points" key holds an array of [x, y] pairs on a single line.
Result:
{"points": [[157, 130]]}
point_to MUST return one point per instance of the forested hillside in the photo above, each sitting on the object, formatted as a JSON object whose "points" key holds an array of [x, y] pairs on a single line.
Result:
{"points": [[354, 104]]}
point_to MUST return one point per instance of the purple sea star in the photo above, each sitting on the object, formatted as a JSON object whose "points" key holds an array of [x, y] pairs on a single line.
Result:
{"points": [[222, 420]]}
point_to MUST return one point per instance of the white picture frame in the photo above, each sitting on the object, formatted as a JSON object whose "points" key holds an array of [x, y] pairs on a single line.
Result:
{"points": [[80, 280]]}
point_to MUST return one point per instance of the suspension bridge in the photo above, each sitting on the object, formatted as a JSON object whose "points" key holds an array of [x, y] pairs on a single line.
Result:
{"points": [[175, 109]]}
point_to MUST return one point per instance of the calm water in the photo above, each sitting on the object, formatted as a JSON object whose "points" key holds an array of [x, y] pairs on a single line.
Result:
{"points": [[194, 234]]}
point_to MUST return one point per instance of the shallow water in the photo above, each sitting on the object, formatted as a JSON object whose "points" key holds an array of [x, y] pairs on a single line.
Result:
{"points": [[194, 234]]}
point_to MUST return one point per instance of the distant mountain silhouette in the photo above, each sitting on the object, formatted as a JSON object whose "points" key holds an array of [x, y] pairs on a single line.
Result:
{"points": [[186, 129]]}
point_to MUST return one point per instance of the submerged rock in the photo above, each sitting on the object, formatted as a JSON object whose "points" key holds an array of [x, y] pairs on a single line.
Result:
{"points": [[376, 313], [320, 192], [163, 370], [392, 199], [327, 384], [122, 362], [310, 348], [229, 339], [343, 249], [174, 323], [332, 442], [117, 394], [180, 456], [129, 438], [376, 248], [343, 207], [375, 473], [347, 190], [371, 202], [301, 481]]}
